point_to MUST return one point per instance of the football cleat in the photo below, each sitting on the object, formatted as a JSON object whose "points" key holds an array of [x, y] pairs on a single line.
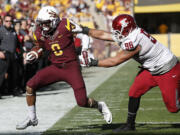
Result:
{"points": [[104, 110], [126, 127], [26, 123]]}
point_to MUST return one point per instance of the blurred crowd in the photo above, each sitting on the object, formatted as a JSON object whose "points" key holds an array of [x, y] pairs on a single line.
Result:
{"points": [[76, 10], [112, 8], [108, 10], [17, 16]]}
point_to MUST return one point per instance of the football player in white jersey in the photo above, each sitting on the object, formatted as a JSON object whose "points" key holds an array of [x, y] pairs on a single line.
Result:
{"points": [[160, 67]]}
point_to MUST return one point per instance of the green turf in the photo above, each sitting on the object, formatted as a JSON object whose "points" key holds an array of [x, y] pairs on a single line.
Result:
{"points": [[114, 92]]}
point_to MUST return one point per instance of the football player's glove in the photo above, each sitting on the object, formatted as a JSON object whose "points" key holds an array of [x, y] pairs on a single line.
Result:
{"points": [[93, 62], [79, 28]]}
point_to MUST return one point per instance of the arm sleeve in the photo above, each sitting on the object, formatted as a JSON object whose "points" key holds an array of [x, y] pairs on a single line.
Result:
{"points": [[37, 41]]}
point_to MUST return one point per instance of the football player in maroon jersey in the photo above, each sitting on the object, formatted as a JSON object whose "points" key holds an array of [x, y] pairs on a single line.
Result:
{"points": [[55, 35]]}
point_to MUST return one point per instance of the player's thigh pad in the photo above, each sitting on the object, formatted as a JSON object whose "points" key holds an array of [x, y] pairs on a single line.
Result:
{"points": [[44, 77], [142, 83]]}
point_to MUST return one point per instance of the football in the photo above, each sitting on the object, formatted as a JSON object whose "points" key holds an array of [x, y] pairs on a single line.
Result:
{"points": [[34, 54], [37, 51]]}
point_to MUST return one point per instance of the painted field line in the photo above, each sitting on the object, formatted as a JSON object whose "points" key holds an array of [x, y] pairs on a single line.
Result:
{"points": [[140, 109], [158, 123], [147, 99]]}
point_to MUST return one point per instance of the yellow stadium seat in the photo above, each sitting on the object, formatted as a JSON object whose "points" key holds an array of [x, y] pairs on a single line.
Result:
{"points": [[88, 24]]}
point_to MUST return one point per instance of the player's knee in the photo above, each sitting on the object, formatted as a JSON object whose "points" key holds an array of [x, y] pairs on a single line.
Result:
{"points": [[173, 110], [80, 95], [29, 91], [82, 102], [134, 95]]}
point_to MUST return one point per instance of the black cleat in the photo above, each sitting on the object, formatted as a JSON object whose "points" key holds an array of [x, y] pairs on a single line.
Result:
{"points": [[126, 127]]}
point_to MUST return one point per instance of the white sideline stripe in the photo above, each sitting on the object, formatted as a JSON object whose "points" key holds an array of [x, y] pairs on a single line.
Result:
{"points": [[140, 109], [168, 123]]}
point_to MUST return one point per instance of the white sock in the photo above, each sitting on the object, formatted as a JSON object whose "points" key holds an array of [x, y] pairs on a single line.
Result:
{"points": [[32, 112]]}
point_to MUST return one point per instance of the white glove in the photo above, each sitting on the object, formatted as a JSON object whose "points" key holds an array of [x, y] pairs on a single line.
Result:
{"points": [[77, 28], [31, 57]]}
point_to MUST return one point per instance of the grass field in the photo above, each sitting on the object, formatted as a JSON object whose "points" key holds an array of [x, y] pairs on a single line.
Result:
{"points": [[152, 118]]}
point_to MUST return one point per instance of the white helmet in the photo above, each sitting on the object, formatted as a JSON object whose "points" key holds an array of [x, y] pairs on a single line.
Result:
{"points": [[48, 19]]}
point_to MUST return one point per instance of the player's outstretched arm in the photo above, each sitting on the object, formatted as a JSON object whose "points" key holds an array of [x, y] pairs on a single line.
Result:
{"points": [[99, 34], [121, 57]]}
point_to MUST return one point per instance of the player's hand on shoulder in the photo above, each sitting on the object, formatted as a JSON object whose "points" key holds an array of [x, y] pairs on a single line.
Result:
{"points": [[76, 27]]}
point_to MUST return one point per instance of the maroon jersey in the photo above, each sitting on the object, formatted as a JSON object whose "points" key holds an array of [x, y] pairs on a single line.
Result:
{"points": [[60, 44]]}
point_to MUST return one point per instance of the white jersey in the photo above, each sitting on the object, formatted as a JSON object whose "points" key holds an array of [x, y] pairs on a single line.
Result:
{"points": [[153, 56]]}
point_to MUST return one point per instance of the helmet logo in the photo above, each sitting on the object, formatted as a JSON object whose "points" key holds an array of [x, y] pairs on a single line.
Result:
{"points": [[124, 23], [52, 14]]}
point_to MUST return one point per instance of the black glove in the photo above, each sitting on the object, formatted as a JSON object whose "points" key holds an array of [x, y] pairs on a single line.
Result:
{"points": [[93, 62], [79, 28], [85, 30]]}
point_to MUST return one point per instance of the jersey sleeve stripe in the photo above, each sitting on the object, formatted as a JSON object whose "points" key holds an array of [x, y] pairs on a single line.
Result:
{"points": [[34, 36]]}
